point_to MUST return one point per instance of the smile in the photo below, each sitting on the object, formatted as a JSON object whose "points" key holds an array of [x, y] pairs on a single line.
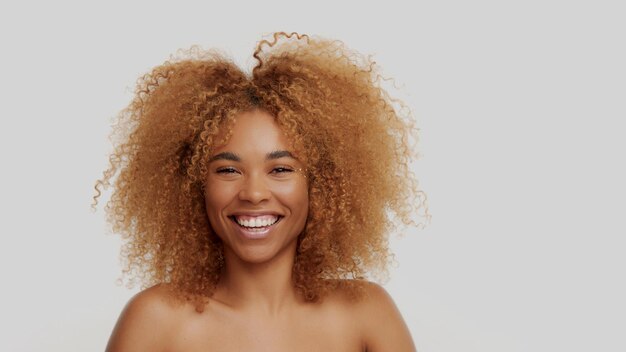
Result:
{"points": [[255, 227], [255, 221]]}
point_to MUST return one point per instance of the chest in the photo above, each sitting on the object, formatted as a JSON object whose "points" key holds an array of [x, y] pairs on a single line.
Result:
{"points": [[308, 332]]}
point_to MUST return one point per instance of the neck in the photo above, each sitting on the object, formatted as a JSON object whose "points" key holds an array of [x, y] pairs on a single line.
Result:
{"points": [[265, 287]]}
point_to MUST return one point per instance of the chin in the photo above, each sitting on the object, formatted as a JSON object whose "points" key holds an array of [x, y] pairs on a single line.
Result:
{"points": [[259, 254]]}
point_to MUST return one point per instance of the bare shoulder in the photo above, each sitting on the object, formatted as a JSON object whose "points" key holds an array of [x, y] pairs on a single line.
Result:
{"points": [[145, 321], [380, 322]]}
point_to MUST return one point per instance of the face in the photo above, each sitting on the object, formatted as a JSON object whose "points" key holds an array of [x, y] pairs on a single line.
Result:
{"points": [[256, 193]]}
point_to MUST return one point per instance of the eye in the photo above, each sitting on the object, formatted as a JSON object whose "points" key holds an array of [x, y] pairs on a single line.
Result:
{"points": [[226, 170], [281, 170]]}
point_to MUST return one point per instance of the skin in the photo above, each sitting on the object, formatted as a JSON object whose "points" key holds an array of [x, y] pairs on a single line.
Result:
{"points": [[255, 307]]}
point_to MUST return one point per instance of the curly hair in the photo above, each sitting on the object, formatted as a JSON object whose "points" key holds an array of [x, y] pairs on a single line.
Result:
{"points": [[353, 138]]}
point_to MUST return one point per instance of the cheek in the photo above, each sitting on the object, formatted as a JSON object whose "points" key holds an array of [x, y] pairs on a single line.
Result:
{"points": [[295, 196], [216, 198]]}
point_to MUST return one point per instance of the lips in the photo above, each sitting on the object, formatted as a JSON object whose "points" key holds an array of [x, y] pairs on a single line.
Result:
{"points": [[255, 221], [255, 226]]}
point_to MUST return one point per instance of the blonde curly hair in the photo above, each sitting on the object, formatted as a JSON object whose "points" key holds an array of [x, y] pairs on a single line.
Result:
{"points": [[353, 138]]}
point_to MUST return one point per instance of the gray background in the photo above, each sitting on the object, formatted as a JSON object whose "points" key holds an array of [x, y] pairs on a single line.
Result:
{"points": [[521, 109]]}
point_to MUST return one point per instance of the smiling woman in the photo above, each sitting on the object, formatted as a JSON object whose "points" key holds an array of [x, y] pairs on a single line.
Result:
{"points": [[256, 194], [254, 205]]}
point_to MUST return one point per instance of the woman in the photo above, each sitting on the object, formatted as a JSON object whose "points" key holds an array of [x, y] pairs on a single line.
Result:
{"points": [[253, 205]]}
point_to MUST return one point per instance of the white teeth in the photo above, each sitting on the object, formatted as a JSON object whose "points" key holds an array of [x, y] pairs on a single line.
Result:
{"points": [[257, 222]]}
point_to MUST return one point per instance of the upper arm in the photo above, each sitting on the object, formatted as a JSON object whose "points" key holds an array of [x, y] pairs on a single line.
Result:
{"points": [[142, 325], [382, 324]]}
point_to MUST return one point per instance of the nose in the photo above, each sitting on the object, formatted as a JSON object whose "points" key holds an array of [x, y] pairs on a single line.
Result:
{"points": [[254, 189]]}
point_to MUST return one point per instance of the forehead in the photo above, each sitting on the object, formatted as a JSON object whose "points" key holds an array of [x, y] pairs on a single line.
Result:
{"points": [[253, 131]]}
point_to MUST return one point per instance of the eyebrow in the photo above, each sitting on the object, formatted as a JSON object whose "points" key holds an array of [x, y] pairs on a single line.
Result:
{"points": [[225, 156], [277, 154]]}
